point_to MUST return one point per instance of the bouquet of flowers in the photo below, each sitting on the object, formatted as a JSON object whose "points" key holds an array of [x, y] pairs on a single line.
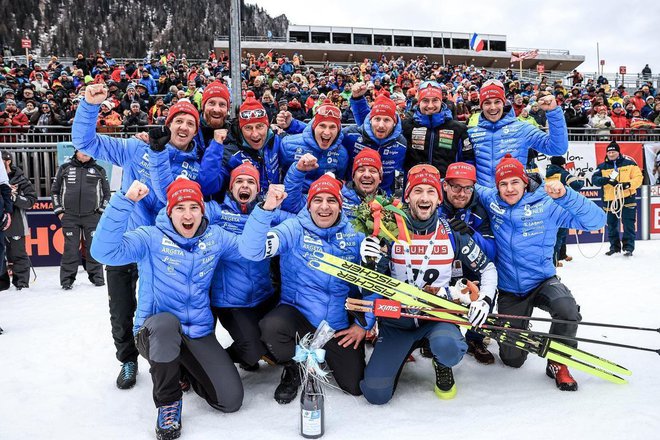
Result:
{"points": [[381, 217]]}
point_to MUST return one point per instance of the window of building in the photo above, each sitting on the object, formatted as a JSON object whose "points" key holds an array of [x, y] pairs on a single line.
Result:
{"points": [[300, 37], [461, 43], [422, 42], [499, 46], [383, 40], [362, 39], [320, 37], [339, 38], [402, 40]]}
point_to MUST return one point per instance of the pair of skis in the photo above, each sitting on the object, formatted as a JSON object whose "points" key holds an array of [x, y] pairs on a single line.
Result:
{"points": [[442, 309]]}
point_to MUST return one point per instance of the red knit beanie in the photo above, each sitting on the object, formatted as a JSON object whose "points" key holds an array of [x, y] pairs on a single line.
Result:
{"points": [[461, 170], [183, 190], [368, 157], [251, 111], [244, 169], [429, 91], [216, 89], [183, 107], [492, 89], [383, 106], [510, 167], [325, 184], [424, 174], [327, 112]]}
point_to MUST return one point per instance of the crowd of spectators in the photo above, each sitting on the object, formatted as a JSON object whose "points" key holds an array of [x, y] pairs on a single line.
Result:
{"points": [[36, 96]]}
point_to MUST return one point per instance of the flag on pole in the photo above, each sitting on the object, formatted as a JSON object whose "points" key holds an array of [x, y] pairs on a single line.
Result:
{"points": [[519, 56], [476, 43]]}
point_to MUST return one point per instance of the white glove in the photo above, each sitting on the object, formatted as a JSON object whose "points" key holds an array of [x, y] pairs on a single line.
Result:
{"points": [[478, 312], [614, 174], [464, 291], [370, 249]]}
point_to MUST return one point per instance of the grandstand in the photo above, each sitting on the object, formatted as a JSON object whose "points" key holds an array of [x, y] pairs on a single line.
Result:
{"points": [[341, 45]]}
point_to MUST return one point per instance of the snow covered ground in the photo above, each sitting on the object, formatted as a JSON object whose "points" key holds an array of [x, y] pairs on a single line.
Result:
{"points": [[57, 375]]}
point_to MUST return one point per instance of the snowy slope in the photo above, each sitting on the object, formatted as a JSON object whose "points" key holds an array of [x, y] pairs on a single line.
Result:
{"points": [[57, 374]]}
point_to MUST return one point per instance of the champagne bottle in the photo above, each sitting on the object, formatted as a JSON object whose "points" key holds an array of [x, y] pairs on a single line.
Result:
{"points": [[312, 417]]}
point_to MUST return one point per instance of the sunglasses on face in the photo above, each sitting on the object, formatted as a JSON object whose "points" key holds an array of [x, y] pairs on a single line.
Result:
{"points": [[250, 114]]}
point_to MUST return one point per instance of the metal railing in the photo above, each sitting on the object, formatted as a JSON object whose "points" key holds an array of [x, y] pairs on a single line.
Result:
{"points": [[562, 52]]}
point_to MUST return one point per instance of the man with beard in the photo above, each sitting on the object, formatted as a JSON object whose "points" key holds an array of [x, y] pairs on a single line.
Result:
{"points": [[308, 296], [432, 135], [527, 218], [499, 132], [177, 140], [426, 262], [367, 176]]}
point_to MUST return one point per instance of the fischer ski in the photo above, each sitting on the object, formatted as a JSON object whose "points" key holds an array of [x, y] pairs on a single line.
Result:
{"points": [[411, 296]]}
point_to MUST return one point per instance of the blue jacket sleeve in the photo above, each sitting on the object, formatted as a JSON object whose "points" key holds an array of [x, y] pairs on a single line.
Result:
{"points": [[487, 245], [360, 109], [212, 173], [160, 173], [578, 212], [83, 135], [555, 142], [213, 212], [296, 127], [486, 195], [259, 241], [118, 247], [293, 185]]}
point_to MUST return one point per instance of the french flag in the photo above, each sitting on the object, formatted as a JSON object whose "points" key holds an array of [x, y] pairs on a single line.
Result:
{"points": [[476, 43]]}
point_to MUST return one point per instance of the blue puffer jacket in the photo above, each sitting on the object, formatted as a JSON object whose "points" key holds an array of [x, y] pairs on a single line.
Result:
{"points": [[239, 282], [492, 140], [392, 149], [175, 272], [334, 159], [133, 156], [525, 233], [219, 160], [318, 296]]}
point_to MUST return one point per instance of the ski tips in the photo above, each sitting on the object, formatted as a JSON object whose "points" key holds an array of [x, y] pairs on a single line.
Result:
{"points": [[318, 254], [314, 264]]}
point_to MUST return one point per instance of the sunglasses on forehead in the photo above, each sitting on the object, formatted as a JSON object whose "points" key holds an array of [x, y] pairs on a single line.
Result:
{"points": [[329, 111], [424, 168], [427, 84], [252, 114]]}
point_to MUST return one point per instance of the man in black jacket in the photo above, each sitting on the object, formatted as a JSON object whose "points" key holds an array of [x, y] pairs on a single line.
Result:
{"points": [[80, 194], [431, 133], [24, 196]]}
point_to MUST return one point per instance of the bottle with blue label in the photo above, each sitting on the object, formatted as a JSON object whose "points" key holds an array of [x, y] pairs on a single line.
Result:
{"points": [[312, 417]]}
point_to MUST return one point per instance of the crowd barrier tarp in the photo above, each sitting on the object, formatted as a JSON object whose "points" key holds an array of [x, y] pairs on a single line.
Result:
{"points": [[654, 213], [65, 151], [651, 151]]}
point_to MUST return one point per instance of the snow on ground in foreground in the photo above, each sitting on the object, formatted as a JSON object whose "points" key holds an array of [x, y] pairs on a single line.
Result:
{"points": [[58, 370]]}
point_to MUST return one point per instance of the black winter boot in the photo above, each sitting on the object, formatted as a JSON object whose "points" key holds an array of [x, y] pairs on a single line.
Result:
{"points": [[287, 390]]}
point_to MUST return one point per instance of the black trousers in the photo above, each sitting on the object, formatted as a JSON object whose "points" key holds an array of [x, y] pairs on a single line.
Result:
{"points": [[628, 217], [122, 281], [284, 325], [211, 372], [18, 262], [72, 228], [242, 323], [551, 296]]}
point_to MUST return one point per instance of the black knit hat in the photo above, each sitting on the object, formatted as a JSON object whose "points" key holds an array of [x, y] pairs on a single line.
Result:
{"points": [[613, 146], [558, 160]]}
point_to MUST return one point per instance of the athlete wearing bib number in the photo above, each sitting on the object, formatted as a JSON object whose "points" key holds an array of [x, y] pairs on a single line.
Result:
{"points": [[426, 262]]}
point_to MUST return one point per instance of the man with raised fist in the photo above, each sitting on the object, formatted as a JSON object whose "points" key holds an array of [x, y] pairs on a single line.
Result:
{"points": [[176, 142]]}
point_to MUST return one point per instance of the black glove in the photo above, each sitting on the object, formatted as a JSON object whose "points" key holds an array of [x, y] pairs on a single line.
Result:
{"points": [[159, 137], [458, 225], [625, 185], [612, 182], [608, 124]]}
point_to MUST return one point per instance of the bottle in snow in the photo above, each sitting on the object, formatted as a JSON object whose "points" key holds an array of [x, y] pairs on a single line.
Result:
{"points": [[312, 417]]}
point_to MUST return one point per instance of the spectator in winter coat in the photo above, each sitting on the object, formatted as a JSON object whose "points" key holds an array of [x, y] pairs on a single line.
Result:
{"points": [[133, 156], [601, 121], [538, 115], [108, 120], [135, 118], [149, 82], [174, 326], [620, 178], [557, 171], [23, 196], [308, 296], [80, 193], [499, 132], [526, 274], [11, 121]]}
